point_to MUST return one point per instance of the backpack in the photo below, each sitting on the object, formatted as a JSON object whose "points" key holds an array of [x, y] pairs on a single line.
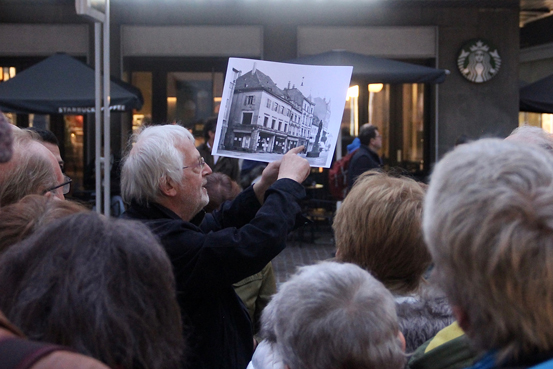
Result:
{"points": [[338, 177]]}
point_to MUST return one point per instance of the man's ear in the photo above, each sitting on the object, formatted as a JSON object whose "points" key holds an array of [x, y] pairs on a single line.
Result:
{"points": [[402, 340], [167, 187], [462, 318]]}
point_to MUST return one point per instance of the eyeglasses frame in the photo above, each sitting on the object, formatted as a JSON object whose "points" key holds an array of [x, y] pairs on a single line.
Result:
{"points": [[64, 190], [200, 163]]}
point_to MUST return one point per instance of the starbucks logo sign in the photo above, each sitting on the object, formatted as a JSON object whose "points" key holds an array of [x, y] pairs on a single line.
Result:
{"points": [[478, 61]]}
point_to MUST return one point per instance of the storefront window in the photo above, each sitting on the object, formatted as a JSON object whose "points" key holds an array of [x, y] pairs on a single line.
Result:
{"points": [[73, 157], [349, 127], [142, 80], [399, 113], [5, 74], [379, 113], [193, 97], [544, 121], [413, 125]]}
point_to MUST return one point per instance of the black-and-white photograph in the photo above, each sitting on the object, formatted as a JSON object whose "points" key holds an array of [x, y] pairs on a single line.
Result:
{"points": [[268, 108]]}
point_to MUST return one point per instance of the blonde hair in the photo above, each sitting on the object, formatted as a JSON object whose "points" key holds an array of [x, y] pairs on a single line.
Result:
{"points": [[18, 221], [378, 227]]}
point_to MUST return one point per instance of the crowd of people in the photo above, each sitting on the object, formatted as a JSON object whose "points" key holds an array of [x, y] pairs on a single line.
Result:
{"points": [[446, 275]]}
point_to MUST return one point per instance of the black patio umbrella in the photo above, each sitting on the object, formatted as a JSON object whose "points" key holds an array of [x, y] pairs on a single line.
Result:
{"points": [[62, 84], [373, 69], [537, 97]]}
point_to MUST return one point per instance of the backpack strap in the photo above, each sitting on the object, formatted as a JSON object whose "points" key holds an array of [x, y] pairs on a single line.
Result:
{"points": [[18, 353]]}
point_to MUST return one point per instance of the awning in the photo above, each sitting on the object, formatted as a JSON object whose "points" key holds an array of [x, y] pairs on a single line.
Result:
{"points": [[62, 84], [537, 97], [373, 69]]}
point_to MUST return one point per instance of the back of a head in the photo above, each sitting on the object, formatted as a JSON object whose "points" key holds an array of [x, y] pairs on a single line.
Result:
{"points": [[332, 316], [220, 188], [488, 221], [153, 157], [378, 227], [103, 287], [532, 135], [45, 135], [18, 221], [209, 126], [366, 133]]}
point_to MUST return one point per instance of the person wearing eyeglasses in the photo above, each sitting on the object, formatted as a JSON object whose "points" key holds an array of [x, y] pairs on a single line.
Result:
{"points": [[64, 187], [163, 180], [33, 169]]}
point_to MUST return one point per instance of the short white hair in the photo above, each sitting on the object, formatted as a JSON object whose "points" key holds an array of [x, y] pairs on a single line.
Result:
{"points": [[333, 315], [488, 222], [532, 135], [153, 158]]}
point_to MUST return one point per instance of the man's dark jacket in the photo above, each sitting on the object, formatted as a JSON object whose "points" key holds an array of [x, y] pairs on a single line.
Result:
{"points": [[364, 159], [210, 254]]}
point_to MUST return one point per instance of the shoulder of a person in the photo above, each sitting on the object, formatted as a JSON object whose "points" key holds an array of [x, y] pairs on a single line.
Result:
{"points": [[68, 360]]}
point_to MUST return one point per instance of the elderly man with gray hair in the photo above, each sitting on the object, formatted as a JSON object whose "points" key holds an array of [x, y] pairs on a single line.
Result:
{"points": [[163, 179], [32, 169], [488, 222], [331, 315]]}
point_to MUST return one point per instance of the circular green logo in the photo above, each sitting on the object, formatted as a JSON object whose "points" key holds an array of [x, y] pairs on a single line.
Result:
{"points": [[478, 61]]}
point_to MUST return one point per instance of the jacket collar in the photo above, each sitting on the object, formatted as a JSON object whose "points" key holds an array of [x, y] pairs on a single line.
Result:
{"points": [[156, 211]]}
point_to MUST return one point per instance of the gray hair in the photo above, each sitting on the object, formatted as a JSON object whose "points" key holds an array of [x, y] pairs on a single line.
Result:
{"points": [[153, 158], [333, 315], [488, 222], [28, 172], [532, 135]]}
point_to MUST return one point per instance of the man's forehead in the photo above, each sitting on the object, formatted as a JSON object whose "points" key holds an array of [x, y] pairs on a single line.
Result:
{"points": [[188, 147]]}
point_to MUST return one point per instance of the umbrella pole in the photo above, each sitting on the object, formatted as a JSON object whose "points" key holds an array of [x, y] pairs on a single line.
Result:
{"points": [[107, 139], [97, 117]]}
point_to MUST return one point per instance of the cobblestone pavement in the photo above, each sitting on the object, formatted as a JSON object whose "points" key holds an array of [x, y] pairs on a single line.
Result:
{"points": [[299, 253]]}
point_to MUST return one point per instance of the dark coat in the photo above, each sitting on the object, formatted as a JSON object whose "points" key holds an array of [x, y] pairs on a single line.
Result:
{"points": [[210, 254], [228, 166], [364, 159]]}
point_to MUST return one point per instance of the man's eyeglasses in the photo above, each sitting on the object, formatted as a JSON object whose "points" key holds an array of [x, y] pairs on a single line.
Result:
{"points": [[200, 163], [66, 186]]}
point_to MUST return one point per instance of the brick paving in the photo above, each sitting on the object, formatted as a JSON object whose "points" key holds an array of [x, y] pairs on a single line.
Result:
{"points": [[303, 252]]}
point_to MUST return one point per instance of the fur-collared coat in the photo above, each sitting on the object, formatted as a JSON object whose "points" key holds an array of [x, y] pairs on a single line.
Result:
{"points": [[421, 316]]}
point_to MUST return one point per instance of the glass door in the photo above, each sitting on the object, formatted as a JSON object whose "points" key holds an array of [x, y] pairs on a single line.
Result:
{"points": [[193, 97], [400, 112]]}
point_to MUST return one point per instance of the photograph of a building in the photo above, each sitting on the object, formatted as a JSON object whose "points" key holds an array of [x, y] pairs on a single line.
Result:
{"points": [[260, 120]]}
